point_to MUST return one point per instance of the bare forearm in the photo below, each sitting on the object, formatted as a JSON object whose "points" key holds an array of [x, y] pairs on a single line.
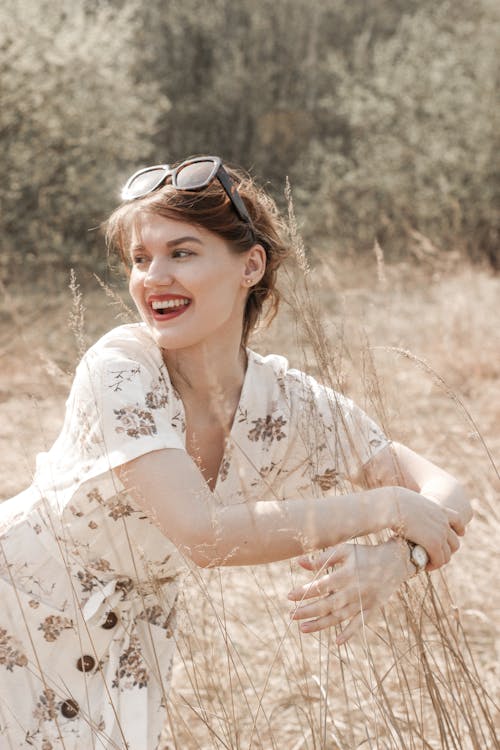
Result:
{"points": [[253, 533], [400, 465], [169, 487], [171, 490], [449, 493]]}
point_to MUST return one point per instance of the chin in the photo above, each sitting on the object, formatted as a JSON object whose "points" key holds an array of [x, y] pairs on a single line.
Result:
{"points": [[192, 333], [173, 340]]}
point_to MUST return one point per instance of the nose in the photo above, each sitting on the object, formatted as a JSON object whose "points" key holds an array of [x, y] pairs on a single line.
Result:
{"points": [[159, 273]]}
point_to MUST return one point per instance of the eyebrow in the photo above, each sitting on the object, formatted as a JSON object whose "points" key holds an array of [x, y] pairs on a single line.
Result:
{"points": [[181, 240], [169, 244]]}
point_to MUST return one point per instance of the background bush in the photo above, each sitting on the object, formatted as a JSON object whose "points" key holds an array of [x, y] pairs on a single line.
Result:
{"points": [[384, 116], [72, 122]]}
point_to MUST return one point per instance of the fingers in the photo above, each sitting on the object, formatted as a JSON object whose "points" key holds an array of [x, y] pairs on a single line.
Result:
{"points": [[320, 607], [434, 549], [453, 541], [455, 521], [325, 584], [320, 587], [326, 559], [356, 622], [441, 554], [330, 619], [351, 612]]}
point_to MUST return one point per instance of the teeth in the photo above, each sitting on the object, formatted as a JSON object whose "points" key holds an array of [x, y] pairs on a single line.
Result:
{"points": [[169, 303]]}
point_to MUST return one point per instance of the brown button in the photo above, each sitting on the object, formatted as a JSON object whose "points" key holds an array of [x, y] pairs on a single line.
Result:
{"points": [[69, 708], [86, 663], [110, 621]]}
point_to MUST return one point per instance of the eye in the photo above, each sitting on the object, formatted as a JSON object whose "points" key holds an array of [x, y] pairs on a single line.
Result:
{"points": [[181, 253], [139, 260]]}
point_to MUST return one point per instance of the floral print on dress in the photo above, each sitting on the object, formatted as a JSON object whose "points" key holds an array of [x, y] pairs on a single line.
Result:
{"points": [[53, 626], [95, 496], [224, 468], [125, 586], [75, 511], [155, 615], [267, 429], [157, 397], [327, 480], [376, 438], [135, 421], [87, 581], [46, 706], [132, 670], [101, 564], [11, 654], [119, 509], [121, 377], [178, 422]]}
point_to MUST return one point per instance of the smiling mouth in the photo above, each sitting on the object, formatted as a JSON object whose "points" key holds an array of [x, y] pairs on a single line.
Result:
{"points": [[168, 308]]}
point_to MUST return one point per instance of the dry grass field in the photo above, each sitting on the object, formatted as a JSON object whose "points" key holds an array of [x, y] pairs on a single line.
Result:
{"points": [[419, 348]]}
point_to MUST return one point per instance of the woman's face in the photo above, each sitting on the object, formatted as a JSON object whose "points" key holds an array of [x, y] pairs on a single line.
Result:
{"points": [[187, 284]]}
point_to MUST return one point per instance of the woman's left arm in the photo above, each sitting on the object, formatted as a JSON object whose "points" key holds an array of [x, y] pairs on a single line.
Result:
{"points": [[398, 465], [364, 577]]}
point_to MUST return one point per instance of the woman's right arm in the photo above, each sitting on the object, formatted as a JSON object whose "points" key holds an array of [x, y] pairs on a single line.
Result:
{"points": [[170, 488]]}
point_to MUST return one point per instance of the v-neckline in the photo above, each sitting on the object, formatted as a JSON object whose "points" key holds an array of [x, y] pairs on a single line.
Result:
{"points": [[239, 408]]}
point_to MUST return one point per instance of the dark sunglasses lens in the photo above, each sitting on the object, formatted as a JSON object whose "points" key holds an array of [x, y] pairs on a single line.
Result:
{"points": [[195, 175], [145, 183]]}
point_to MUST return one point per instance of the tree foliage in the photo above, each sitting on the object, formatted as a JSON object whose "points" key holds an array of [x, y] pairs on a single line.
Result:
{"points": [[72, 119], [382, 114], [419, 110]]}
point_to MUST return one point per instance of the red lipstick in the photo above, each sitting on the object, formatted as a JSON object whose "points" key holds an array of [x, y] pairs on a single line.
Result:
{"points": [[167, 306]]}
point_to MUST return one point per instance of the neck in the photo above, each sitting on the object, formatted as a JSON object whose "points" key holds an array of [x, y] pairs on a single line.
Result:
{"points": [[205, 373]]}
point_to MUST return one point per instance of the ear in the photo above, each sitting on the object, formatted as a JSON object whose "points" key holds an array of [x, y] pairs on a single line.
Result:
{"points": [[255, 266]]}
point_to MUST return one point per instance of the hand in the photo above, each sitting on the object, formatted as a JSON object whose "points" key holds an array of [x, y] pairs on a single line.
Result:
{"points": [[363, 579], [424, 522], [454, 497]]}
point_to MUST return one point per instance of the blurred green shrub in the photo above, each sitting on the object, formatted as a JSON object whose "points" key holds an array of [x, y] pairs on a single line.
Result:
{"points": [[421, 113], [73, 121], [383, 115]]}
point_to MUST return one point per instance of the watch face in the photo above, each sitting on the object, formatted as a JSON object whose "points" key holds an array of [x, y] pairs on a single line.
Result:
{"points": [[419, 556]]}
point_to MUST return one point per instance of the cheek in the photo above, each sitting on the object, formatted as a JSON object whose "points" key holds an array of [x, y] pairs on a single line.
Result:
{"points": [[135, 286], [223, 295], [133, 279]]}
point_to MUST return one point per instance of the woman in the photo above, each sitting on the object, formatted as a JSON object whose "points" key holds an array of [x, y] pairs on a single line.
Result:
{"points": [[178, 442]]}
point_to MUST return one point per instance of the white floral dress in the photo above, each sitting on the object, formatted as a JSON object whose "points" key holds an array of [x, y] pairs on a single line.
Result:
{"points": [[88, 583]]}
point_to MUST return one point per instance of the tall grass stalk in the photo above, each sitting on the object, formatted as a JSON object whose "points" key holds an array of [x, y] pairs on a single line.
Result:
{"points": [[418, 677]]}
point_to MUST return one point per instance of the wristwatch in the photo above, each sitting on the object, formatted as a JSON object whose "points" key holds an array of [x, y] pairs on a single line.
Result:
{"points": [[418, 556]]}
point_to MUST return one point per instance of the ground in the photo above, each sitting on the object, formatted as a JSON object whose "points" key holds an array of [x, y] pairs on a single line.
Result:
{"points": [[418, 348]]}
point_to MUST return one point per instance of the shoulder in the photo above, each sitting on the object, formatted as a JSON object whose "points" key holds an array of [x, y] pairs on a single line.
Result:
{"points": [[275, 376], [303, 392], [270, 366], [122, 360], [131, 340], [126, 343], [276, 368]]}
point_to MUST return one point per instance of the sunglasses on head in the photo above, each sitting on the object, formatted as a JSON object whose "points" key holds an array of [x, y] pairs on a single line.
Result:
{"points": [[193, 174]]}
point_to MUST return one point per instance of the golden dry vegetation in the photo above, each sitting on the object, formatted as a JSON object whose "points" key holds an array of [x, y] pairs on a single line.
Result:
{"points": [[418, 348]]}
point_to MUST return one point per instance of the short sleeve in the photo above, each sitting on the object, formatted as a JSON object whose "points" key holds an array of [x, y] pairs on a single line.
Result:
{"points": [[119, 407], [122, 407], [355, 437], [341, 437]]}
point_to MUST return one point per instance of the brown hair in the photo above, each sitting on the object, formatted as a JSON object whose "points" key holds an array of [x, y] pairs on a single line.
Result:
{"points": [[211, 209]]}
